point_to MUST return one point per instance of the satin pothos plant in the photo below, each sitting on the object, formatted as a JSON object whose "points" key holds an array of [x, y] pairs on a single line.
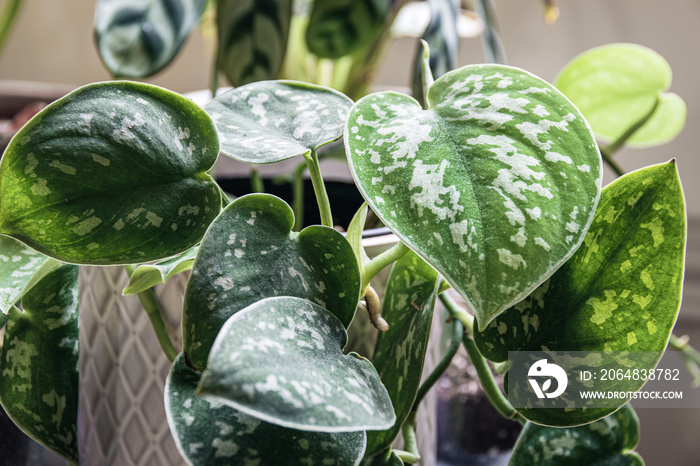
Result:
{"points": [[493, 188]]}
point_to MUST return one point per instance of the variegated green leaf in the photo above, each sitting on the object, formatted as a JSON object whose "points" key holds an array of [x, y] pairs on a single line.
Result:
{"points": [[281, 360], [39, 383], [208, 432], [252, 38], [20, 268], [250, 253], [617, 85], [354, 236], [494, 185], [272, 121], [137, 39], [112, 173], [400, 352], [340, 27], [609, 441], [146, 276], [621, 291]]}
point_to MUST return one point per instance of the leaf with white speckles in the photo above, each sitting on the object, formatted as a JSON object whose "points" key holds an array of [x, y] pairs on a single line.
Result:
{"points": [[39, 363], [250, 253], [113, 173], [271, 121], [617, 85], [281, 360], [20, 268], [621, 291], [137, 39], [494, 185], [400, 352], [146, 276], [609, 441], [208, 432]]}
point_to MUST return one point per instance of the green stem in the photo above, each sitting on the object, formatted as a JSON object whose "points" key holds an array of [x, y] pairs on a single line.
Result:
{"points": [[457, 312], [492, 43], [298, 196], [324, 205], [611, 163], [375, 266], [256, 182], [457, 334], [214, 85], [150, 303], [691, 357], [7, 18], [408, 430]]}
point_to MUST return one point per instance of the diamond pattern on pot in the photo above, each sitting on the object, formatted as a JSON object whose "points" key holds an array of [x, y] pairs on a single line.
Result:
{"points": [[121, 418]]}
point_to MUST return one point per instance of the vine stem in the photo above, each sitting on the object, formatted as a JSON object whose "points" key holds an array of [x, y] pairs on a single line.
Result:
{"points": [[375, 266], [298, 196], [324, 205], [492, 43], [410, 455], [488, 382], [690, 356], [7, 18], [151, 305]]}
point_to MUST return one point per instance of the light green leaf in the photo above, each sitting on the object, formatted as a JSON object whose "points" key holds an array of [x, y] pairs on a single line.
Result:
{"points": [[252, 38], [208, 432], [281, 360], [609, 441], [146, 276], [354, 236], [250, 253], [617, 85], [621, 291], [400, 352], [268, 122], [136, 39], [20, 268], [113, 173], [340, 27], [494, 185], [39, 383]]}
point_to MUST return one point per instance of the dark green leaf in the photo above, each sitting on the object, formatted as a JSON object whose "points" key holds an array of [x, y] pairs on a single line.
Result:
{"points": [[208, 432], [609, 441], [281, 360], [39, 383], [250, 253], [137, 39], [494, 185], [400, 352], [252, 38], [340, 27], [620, 292], [272, 121], [113, 173], [149, 275]]}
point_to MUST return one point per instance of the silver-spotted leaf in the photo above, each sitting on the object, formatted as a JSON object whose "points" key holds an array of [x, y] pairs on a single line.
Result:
{"points": [[251, 253], [608, 441], [208, 432], [39, 359], [494, 185], [113, 173], [281, 360], [146, 276], [20, 268], [137, 39], [271, 121], [340, 27], [617, 85], [621, 291], [400, 352], [252, 38]]}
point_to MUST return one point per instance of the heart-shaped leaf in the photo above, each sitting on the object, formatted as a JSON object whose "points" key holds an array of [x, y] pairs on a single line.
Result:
{"points": [[605, 442], [281, 360], [39, 383], [146, 276], [271, 121], [137, 39], [621, 291], [209, 432], [617, 85], [400, 352], [250, 253], [113, 173], [339, 27], [494, 185], [252, 38], [20, 268]]}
